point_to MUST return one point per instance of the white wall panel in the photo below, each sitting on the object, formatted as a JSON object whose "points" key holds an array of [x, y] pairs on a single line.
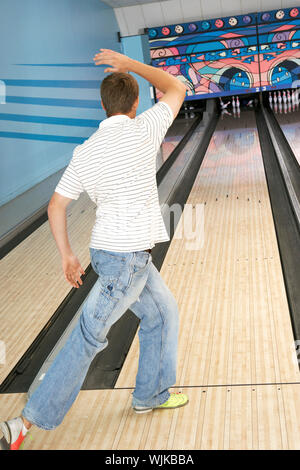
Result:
{"points": [[230, 7], [134, 18], [191, 10], [153, 14], [250, 6], [121, 21], [270, 5], [172, 11], [289, 3], [211, 8]]}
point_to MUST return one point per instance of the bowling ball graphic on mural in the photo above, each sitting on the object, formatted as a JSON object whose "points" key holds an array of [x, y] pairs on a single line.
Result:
{"points": [[280, 15], [240, 80], [192, 27], [219, 23], [178, 29], [266, 17], [152, 33], [165, 31], [205, 25], [247, 19], [232, 21], [284, 73], [294, 12]]}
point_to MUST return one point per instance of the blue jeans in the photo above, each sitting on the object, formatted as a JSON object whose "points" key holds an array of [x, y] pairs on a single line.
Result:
{"points": [[126, 280]]}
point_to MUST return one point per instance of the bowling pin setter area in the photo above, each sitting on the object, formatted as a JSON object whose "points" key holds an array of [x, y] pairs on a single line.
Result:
{"points": [[285, 102]]}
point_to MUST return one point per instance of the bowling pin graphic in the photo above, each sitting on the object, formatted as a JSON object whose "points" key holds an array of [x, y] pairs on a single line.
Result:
{"points": [[270, 99], [297, 98], [185, 111], [275, 97], [233, 102], [283, 96], [279, 97], [289, 101], [237, 102], [293, 100]]}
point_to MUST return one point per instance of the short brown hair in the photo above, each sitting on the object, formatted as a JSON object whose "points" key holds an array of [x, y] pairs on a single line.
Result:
{"points": [[118, 93]]}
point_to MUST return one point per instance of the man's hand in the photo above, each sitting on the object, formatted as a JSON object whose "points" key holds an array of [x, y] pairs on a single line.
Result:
{"points": [[118, 62], [72, 270], [58, 223]]}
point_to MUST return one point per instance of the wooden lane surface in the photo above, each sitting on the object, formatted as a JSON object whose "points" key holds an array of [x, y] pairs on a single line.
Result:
{"points": [[32, 285], [252, 417], [235, 325]]}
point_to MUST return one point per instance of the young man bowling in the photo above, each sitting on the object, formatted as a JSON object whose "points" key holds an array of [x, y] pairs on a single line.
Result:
{"points": [[116, 166]]}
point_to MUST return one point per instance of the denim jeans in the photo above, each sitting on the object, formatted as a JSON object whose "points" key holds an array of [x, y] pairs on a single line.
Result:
{"points": [[125, 280]]}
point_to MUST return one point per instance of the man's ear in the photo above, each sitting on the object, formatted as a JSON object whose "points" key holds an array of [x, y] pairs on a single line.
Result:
{"points": [[103, 107], [136, 103]]}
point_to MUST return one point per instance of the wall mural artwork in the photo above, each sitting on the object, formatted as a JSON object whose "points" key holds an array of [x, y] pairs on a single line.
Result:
{"points": [[232, 55], [279, 49]]}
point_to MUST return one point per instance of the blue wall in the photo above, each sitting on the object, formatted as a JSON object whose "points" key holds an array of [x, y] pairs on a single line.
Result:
{"points": [[137, 47], [52, 98]]}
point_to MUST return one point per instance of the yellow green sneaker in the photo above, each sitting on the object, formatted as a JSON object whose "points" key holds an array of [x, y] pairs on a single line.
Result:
{"points": [[175, 400]]}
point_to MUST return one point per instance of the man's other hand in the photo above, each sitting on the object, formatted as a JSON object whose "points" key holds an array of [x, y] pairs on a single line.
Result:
{"points": [[72, 270]]}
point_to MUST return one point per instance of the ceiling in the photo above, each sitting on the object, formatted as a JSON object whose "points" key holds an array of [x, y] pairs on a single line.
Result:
{"points": [[135, 15]]}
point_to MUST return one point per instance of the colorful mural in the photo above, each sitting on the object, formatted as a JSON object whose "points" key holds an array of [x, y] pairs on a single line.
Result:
{"points": [[233, 55]]}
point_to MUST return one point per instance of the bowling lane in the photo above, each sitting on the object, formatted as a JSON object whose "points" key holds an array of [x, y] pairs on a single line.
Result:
{"points": [[288, 118], [235, 326], [173, 138]]}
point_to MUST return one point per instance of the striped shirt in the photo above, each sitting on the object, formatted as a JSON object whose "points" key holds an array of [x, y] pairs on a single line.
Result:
{"points": [[116, 167]]}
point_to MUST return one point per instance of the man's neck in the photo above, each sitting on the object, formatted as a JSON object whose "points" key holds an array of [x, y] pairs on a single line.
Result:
{"points": [[131, 115]]}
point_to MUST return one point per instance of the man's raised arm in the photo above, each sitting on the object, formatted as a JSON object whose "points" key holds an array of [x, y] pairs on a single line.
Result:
{"points": [[174, 91]]}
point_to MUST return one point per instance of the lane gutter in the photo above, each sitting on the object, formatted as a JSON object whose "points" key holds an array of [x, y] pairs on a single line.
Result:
{"points": [[284, 199]]}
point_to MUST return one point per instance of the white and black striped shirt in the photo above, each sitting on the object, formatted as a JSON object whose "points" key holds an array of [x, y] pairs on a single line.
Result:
{"points": [[116, 166]]}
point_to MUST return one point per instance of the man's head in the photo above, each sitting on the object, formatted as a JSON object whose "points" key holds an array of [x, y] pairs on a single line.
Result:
{"points": [[119, 94]]}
